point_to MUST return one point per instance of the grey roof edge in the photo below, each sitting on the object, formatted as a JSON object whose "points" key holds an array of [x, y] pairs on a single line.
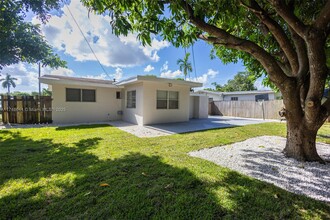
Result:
{"points": [[237, 92], [140, 78]]}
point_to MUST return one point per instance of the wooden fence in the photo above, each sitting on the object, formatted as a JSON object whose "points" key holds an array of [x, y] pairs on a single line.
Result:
{"points": [[247, 109], [26, 109]]}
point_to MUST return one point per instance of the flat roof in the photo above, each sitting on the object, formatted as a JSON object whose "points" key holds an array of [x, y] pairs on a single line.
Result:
{"points": [[238, 92], [68, 80], [139, 78]]}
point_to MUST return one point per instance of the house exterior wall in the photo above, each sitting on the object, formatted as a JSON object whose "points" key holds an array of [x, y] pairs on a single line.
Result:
{"points": [[191, 106], [198, 106], [105, 108], [152, 115], [215, 97], [134, 115], [247, 97]]}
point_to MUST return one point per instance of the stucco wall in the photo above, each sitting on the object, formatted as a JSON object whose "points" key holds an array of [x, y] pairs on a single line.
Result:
{"points": [[215, 97], [104, 109], [134, 115], [153, 115], [247, 97], [198, 106], [191, 106]]}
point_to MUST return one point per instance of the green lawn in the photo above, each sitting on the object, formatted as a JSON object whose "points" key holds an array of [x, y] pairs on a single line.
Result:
{"points": [[56, 173]]}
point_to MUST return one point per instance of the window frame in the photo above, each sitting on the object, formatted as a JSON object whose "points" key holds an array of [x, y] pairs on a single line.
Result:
{"points": [[118, 94], [162, 99], [66, 95], [131, 98], [168, 100], [171, 99], [234, 98], [81, 95]]}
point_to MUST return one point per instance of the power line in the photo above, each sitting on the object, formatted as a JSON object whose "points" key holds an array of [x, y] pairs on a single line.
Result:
{"points": [[192, 50], [90, 47]]}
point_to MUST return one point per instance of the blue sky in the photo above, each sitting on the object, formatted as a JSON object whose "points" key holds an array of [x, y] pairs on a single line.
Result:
{"points": [[122, 57]]}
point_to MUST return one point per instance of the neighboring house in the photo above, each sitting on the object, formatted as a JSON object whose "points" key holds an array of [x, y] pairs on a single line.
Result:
{"points": [[239, 96], [140, 100]]}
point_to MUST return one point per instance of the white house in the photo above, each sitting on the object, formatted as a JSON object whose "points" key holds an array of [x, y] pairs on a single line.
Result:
{"points": [[239, 96], [140, 100]]}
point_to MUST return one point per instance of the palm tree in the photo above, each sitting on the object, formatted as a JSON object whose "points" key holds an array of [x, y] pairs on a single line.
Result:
{"points": [[185, 65], [8, 81]]}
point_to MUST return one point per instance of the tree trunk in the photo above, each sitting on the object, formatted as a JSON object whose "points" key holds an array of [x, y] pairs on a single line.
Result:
{"points": [[301, 142]]}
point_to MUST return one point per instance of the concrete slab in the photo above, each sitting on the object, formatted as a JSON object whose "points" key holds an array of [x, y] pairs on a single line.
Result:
{"points": [[212, 122], [139, 131]]}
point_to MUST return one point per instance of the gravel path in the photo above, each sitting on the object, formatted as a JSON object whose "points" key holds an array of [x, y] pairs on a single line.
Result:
{"points": [[261, 158]]}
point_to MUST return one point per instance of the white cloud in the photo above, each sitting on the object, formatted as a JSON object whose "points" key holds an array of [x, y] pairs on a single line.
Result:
{"points": [[118, 74], [164, 67], [170, 74], [27, 75], [60, 71], [149, 68], [124, 51], [205, 77], [166, 73]]}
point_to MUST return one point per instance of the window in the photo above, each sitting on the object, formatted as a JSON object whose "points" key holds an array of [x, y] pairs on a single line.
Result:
{"points": [[173, 100], [118, 95], [88, 95], [161, 99], [131, 99], [73, 95], [80, 95], [264, 97], [167, 99], [234, 98]]}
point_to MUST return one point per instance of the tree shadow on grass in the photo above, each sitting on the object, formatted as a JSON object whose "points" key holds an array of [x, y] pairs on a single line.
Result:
{"points": [[48, 180], [75, 127], [43, 179]]}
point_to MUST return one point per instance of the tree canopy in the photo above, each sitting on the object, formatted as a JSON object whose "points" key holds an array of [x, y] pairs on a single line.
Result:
{"points": [[287, 40], [8, 82], [242, 82], [21, 40]]}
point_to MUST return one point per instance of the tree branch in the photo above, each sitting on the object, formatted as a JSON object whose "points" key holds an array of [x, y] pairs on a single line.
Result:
{"points": [[322, 22], [220, 36], [301, 49], [288, 16], [277, 31]]}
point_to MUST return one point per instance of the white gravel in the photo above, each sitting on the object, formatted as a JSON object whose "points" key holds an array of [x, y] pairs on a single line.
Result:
{"points": [[262, 159]]}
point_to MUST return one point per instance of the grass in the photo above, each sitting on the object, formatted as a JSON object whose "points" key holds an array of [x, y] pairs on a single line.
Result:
{"points": [[101, 172]]}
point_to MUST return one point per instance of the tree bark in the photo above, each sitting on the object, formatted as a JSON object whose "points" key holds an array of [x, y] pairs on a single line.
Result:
{"points": [[301, 142]]}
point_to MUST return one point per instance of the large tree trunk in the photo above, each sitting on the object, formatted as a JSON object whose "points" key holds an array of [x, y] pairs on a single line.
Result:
{"points": [[301, 142]]}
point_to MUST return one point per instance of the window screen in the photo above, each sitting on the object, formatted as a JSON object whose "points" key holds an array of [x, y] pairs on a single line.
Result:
{"points": [[73, 95], [88, 95], [161, 99], [173, 100], [234, 98], [131, 99]]}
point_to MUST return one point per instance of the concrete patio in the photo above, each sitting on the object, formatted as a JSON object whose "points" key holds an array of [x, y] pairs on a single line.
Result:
{"points": [[212, 122]]}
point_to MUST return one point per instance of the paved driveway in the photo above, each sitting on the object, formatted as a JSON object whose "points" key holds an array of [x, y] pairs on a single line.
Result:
{"points": [[212, 122]]}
